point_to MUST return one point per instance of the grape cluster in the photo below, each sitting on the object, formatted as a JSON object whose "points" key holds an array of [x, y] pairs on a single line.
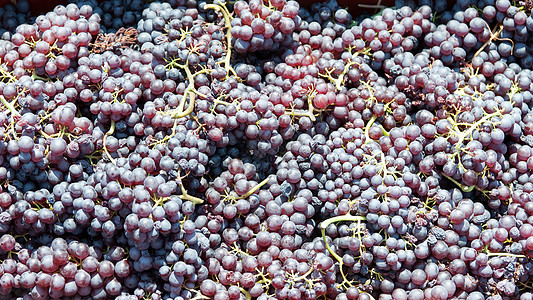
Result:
{"points": [[263, 150], [264, 26]]}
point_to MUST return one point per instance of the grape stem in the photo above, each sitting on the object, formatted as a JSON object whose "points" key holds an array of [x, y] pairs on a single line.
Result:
{"points": [[462, 135], [189, 91], [108, 133], [340, 79], [304, 275], [185, 195], [9, 106], [7, 75], [329, 221], [323, 227], [506, 254], [371, 6], [376, 6], [14, 112], [227, 19], [464, 188], [367, 129], [246, 294], [304, 113], [198, 295], [37, 77], [524, 285], [374, 117], [253, 190], [161, 200], [493, 37]]}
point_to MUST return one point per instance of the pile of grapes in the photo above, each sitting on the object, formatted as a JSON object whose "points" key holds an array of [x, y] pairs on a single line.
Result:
{"points": [[195, 149]]}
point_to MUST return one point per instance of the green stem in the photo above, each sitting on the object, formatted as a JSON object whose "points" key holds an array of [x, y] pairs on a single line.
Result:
{"points": [[183, 113], [246, 294], [227, 20], [329, 221], [5, 74], [506, 254], [186, 196], [9, 106], [340, 80], [323, 226], [253, 190], [462, 135], [108, 133], [304, 275], [464, 188], [46, 136], [337, 257], [367, 128], [193, 199], [303, 113], [189, 91]]}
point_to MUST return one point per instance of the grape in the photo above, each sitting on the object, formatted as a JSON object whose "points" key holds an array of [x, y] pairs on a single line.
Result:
{"points": [[208, 288]]}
